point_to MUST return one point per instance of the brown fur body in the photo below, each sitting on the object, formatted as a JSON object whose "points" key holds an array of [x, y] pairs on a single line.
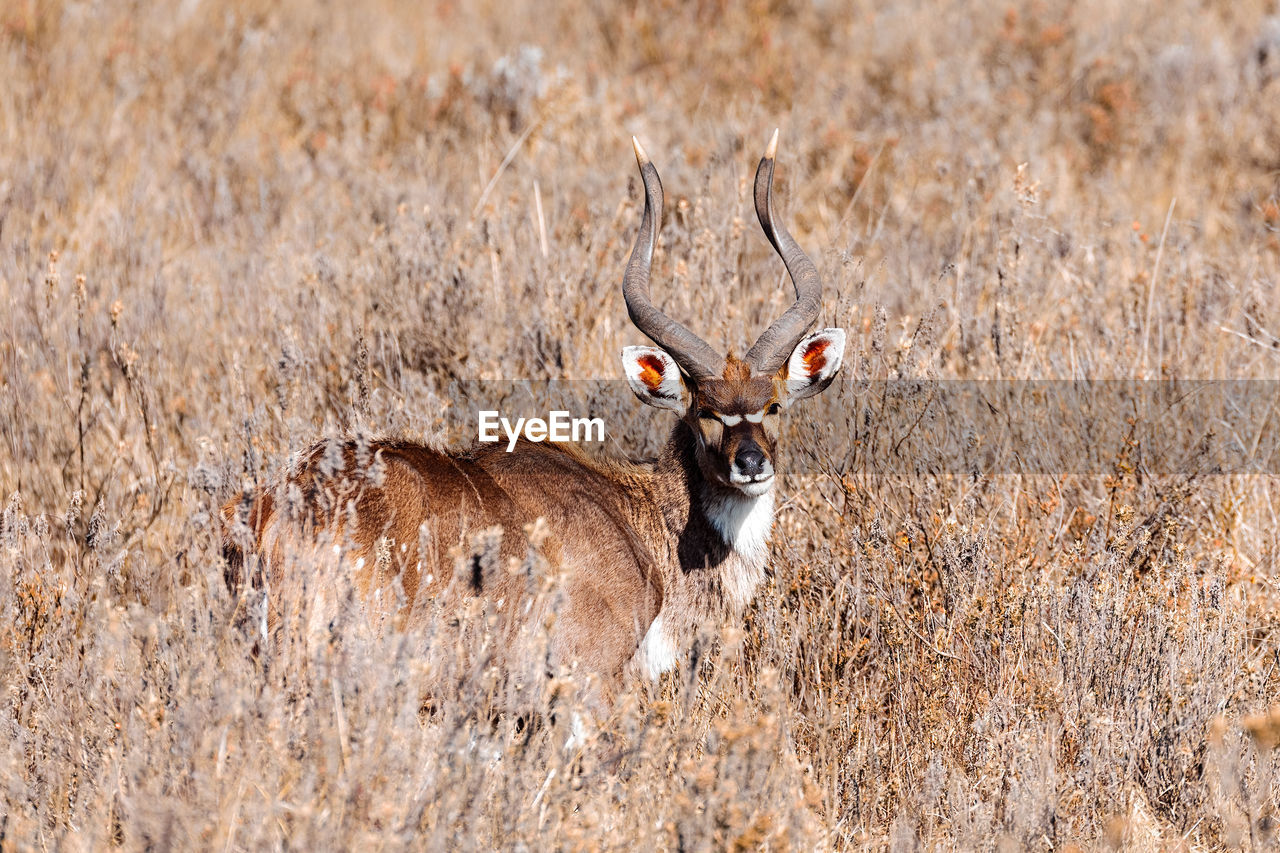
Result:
{"points": [[632, 540]]}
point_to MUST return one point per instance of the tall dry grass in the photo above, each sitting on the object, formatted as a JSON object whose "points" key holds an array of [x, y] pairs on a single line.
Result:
{"points": [[229, 228]]}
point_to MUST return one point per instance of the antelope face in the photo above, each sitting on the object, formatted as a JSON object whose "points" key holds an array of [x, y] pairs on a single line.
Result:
{"points": [[736, 422], [735, 417], [731, 404]]}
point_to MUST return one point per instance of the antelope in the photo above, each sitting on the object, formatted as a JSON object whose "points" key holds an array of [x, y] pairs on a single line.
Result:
{"points": [[649, 554]]}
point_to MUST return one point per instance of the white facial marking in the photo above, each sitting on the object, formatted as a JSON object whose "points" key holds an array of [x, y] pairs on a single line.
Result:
{"points": [[731, 420], [756, 417], [753, 487]]}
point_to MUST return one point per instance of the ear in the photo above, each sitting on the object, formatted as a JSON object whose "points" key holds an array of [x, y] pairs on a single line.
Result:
{"points": [[814, 364], [655, 378]]}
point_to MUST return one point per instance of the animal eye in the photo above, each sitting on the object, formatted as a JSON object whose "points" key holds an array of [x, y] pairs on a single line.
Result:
{"points": [[707, 415], [773, 409]]}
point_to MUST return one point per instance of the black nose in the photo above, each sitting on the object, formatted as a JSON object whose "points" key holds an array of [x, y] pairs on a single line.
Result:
{"points": [[750, 461]]}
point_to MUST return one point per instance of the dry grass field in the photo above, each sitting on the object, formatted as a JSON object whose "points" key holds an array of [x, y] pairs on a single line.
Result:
{"points": [[229, 228]]}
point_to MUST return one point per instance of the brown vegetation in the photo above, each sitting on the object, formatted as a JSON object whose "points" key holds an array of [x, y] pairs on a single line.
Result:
{"points": [[229, 228]]}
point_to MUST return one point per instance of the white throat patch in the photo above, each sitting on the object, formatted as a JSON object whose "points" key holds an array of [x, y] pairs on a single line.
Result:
{"points": [[745, 524]]}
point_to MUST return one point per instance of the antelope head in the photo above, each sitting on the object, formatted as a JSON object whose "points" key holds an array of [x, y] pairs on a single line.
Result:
{"points": [[731, 404]]}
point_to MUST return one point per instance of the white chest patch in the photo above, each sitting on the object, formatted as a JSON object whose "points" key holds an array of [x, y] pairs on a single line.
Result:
{"points": [[744, 523], [657, 651]]}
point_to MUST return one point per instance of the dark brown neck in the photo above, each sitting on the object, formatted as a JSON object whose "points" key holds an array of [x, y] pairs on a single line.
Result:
{"points": [[686, 491]]}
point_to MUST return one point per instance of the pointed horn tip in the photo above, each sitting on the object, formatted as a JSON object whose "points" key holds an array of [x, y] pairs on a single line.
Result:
{"points": [[641, 157], [773, 146]]}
